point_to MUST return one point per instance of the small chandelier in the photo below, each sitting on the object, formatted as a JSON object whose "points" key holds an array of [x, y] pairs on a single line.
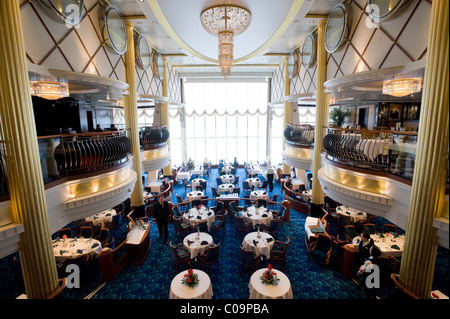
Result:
{"points": [[402, 87], [225, 22], [49, 90]]}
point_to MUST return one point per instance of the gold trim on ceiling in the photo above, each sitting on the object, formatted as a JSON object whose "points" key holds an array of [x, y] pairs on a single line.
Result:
{"points": [[293, 10]]}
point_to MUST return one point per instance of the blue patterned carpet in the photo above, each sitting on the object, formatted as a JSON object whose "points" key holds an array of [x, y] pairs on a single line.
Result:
{"points": [[152, 279]]}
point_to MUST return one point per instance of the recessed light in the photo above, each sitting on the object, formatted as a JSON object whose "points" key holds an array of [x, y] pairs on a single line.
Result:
{"points": [[155, 22], [296, 21], [139, 22], [311, 21], [167, 38]]}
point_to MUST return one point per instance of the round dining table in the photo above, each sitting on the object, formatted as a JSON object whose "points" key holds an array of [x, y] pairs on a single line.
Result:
{"points": [[258, 290], [226, 179], [197, 182], [253, 181], [262, 245], [224, 188], [255, 195], [257, 215], [75, 247], [101, 218], [198, 215], [197, 242], [354, 214], [390, 244], [194, 195], [203, 290]]}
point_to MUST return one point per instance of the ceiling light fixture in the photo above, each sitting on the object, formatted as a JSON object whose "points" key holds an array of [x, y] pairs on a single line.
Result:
{"points": [[225, 22], [49, 90], [402, 87]]}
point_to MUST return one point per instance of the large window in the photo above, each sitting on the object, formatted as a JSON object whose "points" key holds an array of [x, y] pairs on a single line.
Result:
{"points": [[226, 120]]}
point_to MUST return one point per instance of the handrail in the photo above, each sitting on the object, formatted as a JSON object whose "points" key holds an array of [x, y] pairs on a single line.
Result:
{"points": [[71, 135], [393, 132]]}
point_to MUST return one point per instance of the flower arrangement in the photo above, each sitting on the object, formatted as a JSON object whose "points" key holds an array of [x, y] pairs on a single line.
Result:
{"points": [[190, 279], [269, 277]]}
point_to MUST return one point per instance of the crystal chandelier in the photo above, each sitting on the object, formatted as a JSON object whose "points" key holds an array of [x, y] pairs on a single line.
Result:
{"points": [[49, 90], [225, 22], [402, 87]]}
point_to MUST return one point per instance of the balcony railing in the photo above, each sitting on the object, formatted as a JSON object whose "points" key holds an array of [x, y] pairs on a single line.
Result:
{"points": [[388, 151], [299, 134], [151, 136]]}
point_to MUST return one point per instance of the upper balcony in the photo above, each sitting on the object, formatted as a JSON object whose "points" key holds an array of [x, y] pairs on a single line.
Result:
{"points": [[299, 148]]}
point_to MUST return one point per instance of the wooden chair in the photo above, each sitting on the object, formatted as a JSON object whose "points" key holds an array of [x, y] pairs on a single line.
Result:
{"points": [[220, 222], [344, 220], [278, 254], [321, 248], [249, 260], [389, 228], [209, 257], [187, 186], [180, 257], [181, 228], [243, 227], [264, 185], [350, 233], [105, 238], [65, 231], [58, 291], [86, 232], [214, 192], [369, 228], [273, 227]]}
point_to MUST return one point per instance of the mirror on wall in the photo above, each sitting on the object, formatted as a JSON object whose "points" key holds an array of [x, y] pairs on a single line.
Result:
{"points": [[309, 51], [337, 28], [381, 10]]}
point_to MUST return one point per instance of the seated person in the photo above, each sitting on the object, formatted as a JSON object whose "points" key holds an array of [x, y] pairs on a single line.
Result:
{"points": [[371, 284], [364, 246]]}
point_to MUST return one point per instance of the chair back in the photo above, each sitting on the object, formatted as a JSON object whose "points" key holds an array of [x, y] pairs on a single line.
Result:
{"points": [[177, 223], [369, 228], [218, 180], [262, 202], [233, 206], [204, 184], [86, 232], [65, 231], [274, 224], [323, 243], [174, 253], [344, 220], [175, 211], [179, 199], [389, 228], [247, 257], [214, 192], [245, 185], [350, 232], [104, 235], [196, 202], [203, 226], [219, 206], [213, 253]]}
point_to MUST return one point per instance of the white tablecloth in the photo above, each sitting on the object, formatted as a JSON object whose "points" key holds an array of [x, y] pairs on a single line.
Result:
{"points": [[101, 218], [155, 186], [385, 244], [196, 182], [227, 179], [75, 247], [355, 215], [227, 169], [253, 182], [222, 188], [262, 246], [255, 215], [296, 182], [202, 291], [194, 195], [193, 214], [193, 245], [258, 290], [254, 195], [197, 169], [255, 170], [183, 175], [312, 221], [374, 147]]}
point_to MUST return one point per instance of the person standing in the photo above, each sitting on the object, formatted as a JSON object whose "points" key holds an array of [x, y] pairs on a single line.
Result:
{"points": [[161, 217], [270, 178]]}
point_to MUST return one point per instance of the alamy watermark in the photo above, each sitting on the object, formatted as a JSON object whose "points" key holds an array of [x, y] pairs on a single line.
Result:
{"points": [[373, 19]]}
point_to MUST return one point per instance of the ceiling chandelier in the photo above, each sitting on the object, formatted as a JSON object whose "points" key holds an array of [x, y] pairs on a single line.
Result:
{"points": [[49, 90], [402, 87], [225, 22]]}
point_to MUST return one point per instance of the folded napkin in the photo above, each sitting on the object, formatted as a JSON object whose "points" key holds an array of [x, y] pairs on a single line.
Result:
{"points": [[109, 214], [209, 213], [264, 193], [269, 240], [360, 213], [348, 213], [79, 251], [255, 242], [265, 215], [249, 215], [317, 230], [199, 217], [198, 194], [94, 245], [62, 252], [204, 242], [395, 247], [189, 242]]}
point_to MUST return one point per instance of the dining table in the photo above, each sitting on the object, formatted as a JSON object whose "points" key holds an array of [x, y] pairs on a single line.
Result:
{"points": [[154, 186], [198, 215], [75, 247], [227, 179], [203, 290], [257, 215], [227, 169], [259, 290], [197, 242], [260, 243], [197, 170], [354, 214], [313, 226], [101, 218], [194, 195], [255, 195], [197, 182], [390, 244], [225, 188], [253, 182]]}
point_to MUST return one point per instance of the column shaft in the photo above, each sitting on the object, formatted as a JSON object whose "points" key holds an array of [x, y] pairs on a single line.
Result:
{"points": [[428, 188], [322, 105], [165, 113], [20, 150], [131, 116], [287, 110]]}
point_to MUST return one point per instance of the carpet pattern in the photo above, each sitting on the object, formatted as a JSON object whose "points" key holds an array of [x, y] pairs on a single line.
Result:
{"points": [[152, 279]]}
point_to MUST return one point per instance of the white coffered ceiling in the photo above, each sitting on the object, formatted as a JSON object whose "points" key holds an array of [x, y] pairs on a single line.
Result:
{"points": [[173, 28]]}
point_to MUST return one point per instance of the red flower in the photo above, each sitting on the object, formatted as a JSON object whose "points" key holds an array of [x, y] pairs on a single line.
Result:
{"points": [[269, 266], [189, 279], [186, 275], [64, 236], [199, 206], [274, 273], [190, 271]]}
